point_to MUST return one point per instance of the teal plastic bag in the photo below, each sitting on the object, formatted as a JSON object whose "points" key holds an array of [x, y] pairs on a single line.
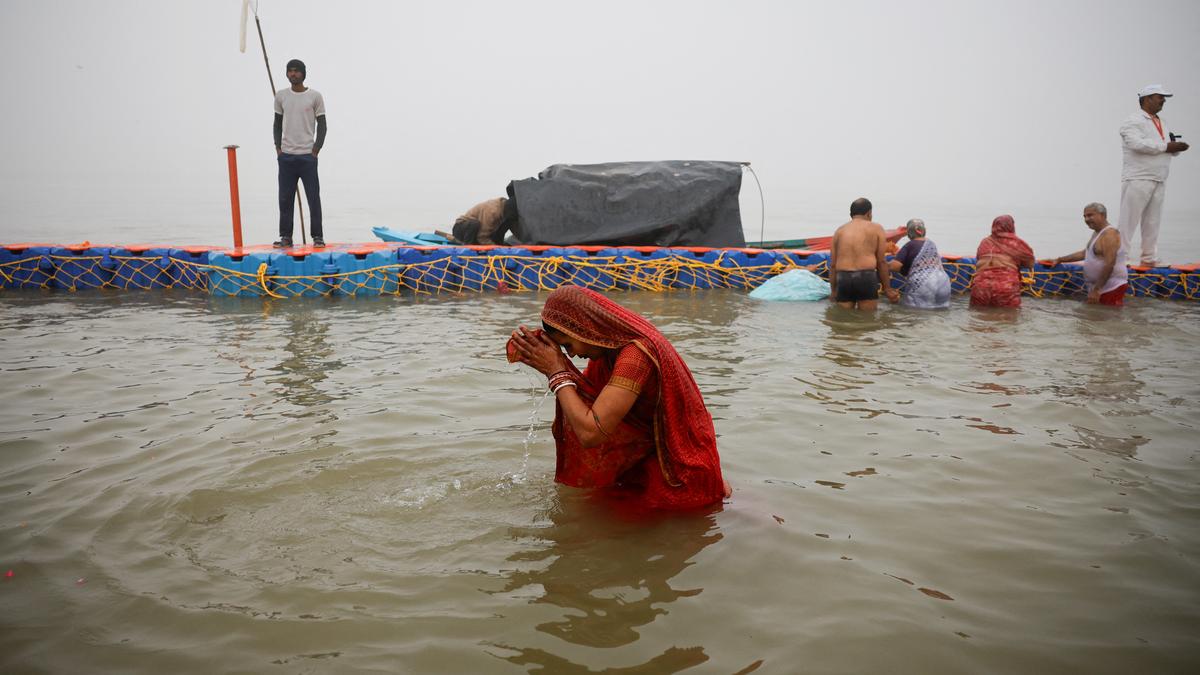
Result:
{"points": [[795, 285]]}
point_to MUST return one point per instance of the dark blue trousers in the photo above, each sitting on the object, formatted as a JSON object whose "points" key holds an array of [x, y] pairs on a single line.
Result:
{"points": [[291, 169]]}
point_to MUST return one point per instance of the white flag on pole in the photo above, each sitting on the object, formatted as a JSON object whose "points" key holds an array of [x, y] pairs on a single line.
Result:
{"points": [[245, 17]]}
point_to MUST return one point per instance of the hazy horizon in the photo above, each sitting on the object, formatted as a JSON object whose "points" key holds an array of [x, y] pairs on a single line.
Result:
{"points": [[952, 111]]}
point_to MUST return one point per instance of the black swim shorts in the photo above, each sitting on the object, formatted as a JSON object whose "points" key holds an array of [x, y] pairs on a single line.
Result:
{"points": [[857, 285]]}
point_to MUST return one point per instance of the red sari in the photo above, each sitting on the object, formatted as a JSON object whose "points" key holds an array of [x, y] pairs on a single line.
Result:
{"points": [[1001, 286], [665, 449]]}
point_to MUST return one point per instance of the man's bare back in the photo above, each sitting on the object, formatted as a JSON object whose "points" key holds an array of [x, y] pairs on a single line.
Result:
{"points": [[858, 261], [859, 245]]}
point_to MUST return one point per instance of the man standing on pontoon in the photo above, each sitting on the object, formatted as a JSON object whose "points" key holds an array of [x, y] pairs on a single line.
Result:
{"points": [[298, 112], [1148, 148]]}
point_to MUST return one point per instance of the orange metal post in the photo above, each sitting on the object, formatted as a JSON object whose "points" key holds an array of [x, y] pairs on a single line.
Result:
{"points": [[234, 200]]}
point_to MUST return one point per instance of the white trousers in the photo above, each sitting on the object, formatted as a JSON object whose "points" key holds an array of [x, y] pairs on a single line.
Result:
{"points": [[1141, 204]]}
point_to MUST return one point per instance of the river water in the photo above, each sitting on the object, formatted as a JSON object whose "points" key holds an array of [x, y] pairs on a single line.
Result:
{"points": [[196, 484]]}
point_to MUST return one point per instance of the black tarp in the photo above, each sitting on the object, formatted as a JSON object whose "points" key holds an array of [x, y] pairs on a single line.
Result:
{"points": [[672, 203]]}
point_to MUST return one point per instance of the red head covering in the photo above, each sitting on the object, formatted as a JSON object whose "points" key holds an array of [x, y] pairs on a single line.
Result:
{"points": [[683, 430], [1004, 223], [1004, 241]]}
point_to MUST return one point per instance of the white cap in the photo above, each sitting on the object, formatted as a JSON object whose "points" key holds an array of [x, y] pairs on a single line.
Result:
{"points": [[1152, 89]]}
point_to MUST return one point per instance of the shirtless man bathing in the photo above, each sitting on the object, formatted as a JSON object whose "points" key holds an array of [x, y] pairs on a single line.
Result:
{"points": [[857, 261]]}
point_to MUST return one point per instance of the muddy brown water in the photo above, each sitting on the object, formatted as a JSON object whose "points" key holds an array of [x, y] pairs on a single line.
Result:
{"points": [[192, 484]]}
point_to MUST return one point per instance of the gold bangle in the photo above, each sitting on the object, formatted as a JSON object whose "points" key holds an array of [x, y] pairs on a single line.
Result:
{"points": [[596, 419]]}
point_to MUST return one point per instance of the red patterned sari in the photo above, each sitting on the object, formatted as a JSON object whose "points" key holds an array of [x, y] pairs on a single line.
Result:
{"points": [[999, 283], [665, 449]]}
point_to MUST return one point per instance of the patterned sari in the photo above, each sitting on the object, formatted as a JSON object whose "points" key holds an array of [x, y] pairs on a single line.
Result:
{"points": [[928, 285], [665, 450], [1001, 286]]}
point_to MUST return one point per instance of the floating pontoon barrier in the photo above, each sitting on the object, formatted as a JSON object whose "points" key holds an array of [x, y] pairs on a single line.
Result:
{"points": [[381, 268]]}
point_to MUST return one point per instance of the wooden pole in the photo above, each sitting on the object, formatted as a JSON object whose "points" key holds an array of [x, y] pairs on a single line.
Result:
{"points": [[266, 61]]}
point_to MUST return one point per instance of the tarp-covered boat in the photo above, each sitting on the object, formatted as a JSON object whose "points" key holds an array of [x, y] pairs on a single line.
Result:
{"points": [[668, 203]]}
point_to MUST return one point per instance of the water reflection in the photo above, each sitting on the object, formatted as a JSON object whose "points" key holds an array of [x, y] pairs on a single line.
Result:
{"points": [[256, 326], [1099, 379], [993, 319], [858, 351], [611, 572], [1105, 343], [852, 341], [309, 360], [1110, 379], [709, 322], [1118, 446], [852, 322], [692, 313], [235, 339]]}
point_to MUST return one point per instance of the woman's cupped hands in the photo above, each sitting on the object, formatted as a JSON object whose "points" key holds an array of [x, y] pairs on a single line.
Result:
{"points": [[535, 349]]}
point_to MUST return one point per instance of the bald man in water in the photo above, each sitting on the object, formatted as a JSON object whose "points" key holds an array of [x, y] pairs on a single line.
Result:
{"points": [[858, 261]]}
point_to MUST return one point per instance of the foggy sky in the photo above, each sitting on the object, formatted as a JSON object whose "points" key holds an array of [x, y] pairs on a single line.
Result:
{"points": [[116, 113]]}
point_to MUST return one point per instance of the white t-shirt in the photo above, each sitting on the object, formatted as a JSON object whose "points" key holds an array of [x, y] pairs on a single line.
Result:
{"points": [[300, 110]]}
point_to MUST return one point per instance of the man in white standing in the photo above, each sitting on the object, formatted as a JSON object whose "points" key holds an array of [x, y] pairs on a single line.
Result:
{"points": [[299, 111], [1148, 148]]}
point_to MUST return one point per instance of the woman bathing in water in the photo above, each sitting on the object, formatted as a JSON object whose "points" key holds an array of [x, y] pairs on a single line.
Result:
{"points": [[633, 420], [998, 263]]}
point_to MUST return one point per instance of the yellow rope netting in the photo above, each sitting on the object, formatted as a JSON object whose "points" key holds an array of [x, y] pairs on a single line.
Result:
{"points": [[474, 273], [82, 272]]}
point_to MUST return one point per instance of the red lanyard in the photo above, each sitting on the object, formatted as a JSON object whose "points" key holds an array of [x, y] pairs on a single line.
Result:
{"points": [[1158, 125]]}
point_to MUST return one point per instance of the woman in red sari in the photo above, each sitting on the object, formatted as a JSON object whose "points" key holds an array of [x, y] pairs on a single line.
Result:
{"points": [[634, 418], [998, 264]]}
